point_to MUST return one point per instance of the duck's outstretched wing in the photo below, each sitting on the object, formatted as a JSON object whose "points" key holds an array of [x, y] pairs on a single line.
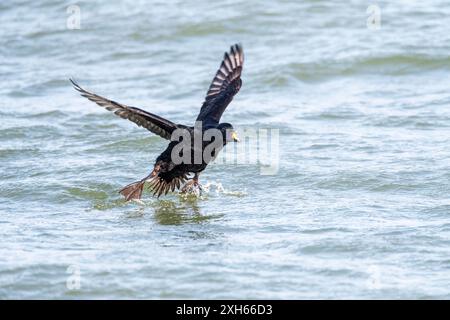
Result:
{"points": [[150, 121], [224, 86]]}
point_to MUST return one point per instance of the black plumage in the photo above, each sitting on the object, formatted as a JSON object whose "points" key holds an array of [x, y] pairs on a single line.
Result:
{"points": [[168, 174]]}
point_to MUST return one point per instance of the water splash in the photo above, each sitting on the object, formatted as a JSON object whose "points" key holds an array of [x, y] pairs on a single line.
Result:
{"points": [[217, 188], [211, 188]]}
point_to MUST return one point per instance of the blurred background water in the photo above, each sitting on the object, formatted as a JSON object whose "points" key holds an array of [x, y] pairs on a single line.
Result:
{"points": [[359, 208]]}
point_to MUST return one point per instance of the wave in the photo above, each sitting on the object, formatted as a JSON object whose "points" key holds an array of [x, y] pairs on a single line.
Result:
{"points": [[391, 65]]}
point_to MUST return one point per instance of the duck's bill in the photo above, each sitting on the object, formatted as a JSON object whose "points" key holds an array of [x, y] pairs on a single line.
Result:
{"points": [[234, 136]]}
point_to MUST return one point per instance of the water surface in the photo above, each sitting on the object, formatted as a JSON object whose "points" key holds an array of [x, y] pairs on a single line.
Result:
{"points": [[358, 209]]}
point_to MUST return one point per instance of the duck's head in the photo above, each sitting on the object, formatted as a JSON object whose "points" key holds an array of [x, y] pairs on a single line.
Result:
{"points": [[228, 132]]}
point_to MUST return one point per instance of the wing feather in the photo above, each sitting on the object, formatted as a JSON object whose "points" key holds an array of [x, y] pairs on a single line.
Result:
{"points": [[147, 120], [224, 87]]}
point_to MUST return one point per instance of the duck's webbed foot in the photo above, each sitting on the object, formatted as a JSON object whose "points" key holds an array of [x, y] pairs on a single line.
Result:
{"points": [[192, 186], [133, 191]]}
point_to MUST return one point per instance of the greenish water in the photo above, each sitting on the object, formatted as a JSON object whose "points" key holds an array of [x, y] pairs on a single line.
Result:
{"points": [[358, 209]]}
